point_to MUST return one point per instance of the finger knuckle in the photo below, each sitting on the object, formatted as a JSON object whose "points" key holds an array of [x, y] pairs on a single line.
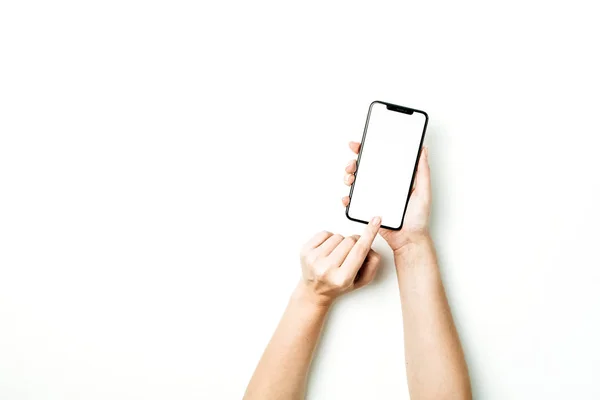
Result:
{"points": [[331, 264], [340, 281], [338, 237], [321, 273], [310, 258]]}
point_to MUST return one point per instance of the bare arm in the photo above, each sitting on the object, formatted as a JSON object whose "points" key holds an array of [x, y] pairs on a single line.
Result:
{"points": [[330, 267], [281, 373], [435, 364]]}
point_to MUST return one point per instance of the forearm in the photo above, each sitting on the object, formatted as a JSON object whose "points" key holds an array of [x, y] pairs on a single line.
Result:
{"points": [[282, 370], [435, 364]]}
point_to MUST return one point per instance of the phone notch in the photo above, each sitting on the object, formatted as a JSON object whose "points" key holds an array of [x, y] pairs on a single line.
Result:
{"points": [[403, 110]]}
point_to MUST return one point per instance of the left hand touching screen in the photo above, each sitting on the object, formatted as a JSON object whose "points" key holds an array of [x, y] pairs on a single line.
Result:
{"points": [[331, 266]]}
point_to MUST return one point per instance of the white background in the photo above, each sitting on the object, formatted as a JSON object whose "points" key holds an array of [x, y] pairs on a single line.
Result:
{"points": [[161, 163]]}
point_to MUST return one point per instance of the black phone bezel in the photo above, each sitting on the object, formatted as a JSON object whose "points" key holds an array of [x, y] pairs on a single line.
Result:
{"points": [[405, 110]]}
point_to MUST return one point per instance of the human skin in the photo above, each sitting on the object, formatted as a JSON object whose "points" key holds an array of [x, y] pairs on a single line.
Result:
{"points": [[435, 363], [333, 265]]}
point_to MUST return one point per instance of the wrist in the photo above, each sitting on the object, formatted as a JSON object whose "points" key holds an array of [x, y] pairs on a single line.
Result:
{"points": [[417, 255], [310, 300], [410, 241]]}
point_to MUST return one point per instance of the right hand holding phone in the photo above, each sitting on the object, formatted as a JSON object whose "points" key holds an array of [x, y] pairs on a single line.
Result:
{"points": [[416, 219]]}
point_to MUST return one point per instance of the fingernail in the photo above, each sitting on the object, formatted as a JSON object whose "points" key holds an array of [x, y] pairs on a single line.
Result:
{"points": [[349, 164], [376, 221]]}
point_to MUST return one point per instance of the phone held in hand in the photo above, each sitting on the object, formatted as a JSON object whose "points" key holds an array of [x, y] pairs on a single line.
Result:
{"points": [[387, 164]]}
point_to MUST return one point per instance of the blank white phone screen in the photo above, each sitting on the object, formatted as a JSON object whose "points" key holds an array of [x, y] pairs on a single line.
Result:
{"points": [[388, 156]]}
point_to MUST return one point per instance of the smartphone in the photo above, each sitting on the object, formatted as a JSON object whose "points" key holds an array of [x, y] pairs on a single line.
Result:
{"points": [[387, 164]]}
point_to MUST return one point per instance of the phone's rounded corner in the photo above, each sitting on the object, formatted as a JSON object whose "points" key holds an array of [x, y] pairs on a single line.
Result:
{"points": [[375, 102], [424, 113], [347, 212], [391, 228], [354, 219]]}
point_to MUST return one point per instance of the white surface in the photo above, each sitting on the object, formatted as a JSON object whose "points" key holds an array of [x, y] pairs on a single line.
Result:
{"points": [[162, 163], [387, 162]]}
